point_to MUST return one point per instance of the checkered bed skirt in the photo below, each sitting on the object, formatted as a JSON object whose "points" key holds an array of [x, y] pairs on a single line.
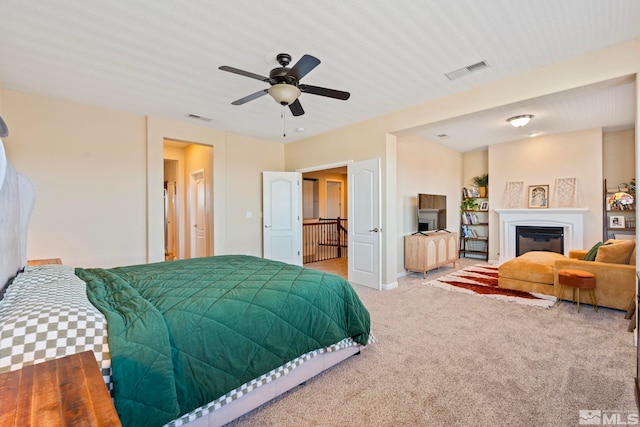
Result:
{"points": [[45, 314]]}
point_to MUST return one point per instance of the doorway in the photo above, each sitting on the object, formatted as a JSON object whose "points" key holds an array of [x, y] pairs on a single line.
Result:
{"points": [[171, 231], [364, 252], [189, 222], [325, 226]]}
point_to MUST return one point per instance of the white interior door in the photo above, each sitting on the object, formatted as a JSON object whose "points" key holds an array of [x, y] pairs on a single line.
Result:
{"points": [[365, 255], [170, 222], [198, 216], [334, 199], [282, 216], [201, 220]]}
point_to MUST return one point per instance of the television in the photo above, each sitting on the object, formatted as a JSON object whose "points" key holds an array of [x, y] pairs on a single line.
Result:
{"points": [[432, 212]]}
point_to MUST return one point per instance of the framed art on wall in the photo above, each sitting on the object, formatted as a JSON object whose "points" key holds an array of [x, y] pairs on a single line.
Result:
{"points": [[514, 195], [538, 196]]}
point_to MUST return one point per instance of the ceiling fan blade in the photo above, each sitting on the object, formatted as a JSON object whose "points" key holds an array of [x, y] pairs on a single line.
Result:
{"points": [[323, 91], [244, 73], [250, 97], [296, 108], [303, 66]]}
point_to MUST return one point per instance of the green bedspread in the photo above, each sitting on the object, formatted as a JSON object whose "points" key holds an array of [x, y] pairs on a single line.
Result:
{"points": [[183, 333]]}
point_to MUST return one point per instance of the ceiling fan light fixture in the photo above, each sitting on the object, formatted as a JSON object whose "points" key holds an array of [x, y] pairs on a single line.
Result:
{"points": [[284, 94], [519, 121]]}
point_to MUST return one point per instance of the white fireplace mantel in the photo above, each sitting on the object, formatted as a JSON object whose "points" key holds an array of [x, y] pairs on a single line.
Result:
{"points": [[570, 219]]}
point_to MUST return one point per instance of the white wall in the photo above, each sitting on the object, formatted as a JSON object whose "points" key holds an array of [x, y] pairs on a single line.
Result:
{"points": [[474, 163], [540, 161], [426, 167], [88, 165], [99, 177], [619, 157], [247, 159]]}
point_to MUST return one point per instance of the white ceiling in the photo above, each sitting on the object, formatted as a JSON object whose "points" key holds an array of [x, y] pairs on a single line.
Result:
{"points": [[610, 105], [161, 58]]}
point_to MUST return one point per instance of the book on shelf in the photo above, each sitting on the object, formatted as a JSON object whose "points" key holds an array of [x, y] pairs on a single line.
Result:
{"points": [[470, 233], [470, 218]]}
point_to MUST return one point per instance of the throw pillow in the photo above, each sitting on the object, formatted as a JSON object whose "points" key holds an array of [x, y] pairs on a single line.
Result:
{"points": [[616, 253], [591, 255]]}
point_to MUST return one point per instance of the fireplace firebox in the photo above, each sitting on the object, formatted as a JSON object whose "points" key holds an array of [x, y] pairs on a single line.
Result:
{"points": [[550, 239]]}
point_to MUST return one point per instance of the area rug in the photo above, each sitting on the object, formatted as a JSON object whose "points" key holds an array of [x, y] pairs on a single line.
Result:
{"points": [[482, 279]]}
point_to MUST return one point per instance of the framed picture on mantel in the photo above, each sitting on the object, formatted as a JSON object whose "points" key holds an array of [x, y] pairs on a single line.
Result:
{"points": [[538, 196]]}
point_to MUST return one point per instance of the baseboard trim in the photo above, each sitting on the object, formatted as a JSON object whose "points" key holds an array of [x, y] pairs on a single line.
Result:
{"points": [[389, 286]]}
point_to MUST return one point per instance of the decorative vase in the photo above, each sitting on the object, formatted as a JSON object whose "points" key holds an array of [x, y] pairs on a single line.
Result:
{"points": [[482, 191]]}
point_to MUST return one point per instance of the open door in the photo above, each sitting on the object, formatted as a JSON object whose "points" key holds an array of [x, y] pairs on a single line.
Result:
{"points": [[282, 216], [365, 252], [198, 216]]}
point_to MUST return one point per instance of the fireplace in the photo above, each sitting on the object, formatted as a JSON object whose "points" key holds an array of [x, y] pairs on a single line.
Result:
{"points": [[569, 219], [550, 239]]}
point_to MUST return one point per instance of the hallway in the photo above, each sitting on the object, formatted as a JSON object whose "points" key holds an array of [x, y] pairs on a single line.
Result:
{"points": [[337, 266]]}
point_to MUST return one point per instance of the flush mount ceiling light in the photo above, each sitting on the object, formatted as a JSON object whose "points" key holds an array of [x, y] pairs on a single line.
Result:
{"points": [[284, 94], [519, 121]]}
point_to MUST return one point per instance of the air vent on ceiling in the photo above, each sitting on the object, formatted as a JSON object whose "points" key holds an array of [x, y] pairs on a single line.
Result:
{"points": [[461, 72], [197, 117]]}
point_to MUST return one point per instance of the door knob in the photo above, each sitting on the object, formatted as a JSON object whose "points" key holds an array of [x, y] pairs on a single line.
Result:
{"points": [[375, 230]]}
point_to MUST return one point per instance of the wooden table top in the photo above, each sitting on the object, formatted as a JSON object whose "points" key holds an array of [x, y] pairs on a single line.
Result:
{"points": [[35, 262], [69, 391]]}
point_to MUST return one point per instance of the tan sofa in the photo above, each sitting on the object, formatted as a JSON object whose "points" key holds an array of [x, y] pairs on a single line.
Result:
{"points": [[537, 272]]}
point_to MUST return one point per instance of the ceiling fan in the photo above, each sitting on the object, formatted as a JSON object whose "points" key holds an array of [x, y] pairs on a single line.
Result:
{"points": [[285, 83]]}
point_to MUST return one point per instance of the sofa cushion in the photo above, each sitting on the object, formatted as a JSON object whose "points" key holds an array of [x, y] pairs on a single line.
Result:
{"points": [[617, 253], [534, 266], [591, 255]]}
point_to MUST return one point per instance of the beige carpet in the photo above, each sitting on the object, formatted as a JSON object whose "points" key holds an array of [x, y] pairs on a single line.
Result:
{"points": [[453, 359]]}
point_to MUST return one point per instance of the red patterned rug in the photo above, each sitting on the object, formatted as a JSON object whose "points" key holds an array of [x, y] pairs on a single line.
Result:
{"points": [[482, 279]]}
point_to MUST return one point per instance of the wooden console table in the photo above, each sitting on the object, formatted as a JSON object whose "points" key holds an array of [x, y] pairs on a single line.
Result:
{"points": [[35, 262], [68, 391], [424, 252]]}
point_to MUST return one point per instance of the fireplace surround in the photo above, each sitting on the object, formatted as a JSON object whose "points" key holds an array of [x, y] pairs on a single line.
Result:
{"points": [[571, 220]]}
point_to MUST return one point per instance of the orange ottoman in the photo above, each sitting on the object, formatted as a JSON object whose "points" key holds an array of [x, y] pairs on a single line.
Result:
{"points": [[578, 279]]}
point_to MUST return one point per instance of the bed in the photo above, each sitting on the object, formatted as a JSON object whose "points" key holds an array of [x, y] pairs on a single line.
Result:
{"points": [[197, 342]]}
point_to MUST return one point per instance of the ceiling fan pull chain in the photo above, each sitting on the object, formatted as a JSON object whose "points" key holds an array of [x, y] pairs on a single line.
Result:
{"points": [[284, 122]]}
